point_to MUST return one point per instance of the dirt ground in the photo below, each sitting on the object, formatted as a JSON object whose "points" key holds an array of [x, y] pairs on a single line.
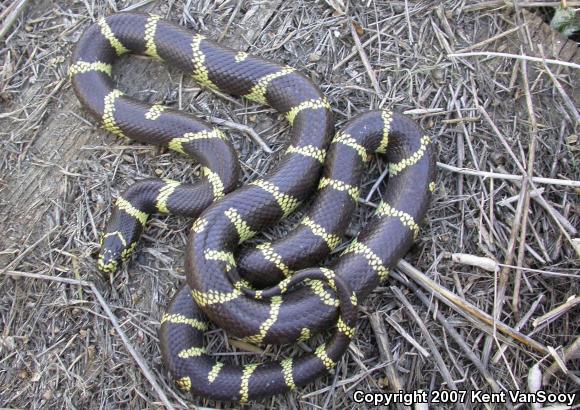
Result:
{"points": [[70, 338]]}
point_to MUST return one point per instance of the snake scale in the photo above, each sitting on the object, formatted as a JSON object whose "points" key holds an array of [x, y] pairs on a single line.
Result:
{"points": [[271, 293]]}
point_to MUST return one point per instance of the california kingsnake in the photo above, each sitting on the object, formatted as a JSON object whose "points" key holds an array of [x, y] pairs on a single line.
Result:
{"points": [[229, 288]]}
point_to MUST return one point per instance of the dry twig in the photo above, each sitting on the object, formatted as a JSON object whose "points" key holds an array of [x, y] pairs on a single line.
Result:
{"points": [[515, 56]]}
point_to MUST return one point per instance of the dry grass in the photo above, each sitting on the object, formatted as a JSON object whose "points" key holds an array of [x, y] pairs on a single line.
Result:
{"points": [[65, 343]]}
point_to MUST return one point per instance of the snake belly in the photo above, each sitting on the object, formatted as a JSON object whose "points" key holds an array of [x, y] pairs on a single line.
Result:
{"points": [[269, 293]]}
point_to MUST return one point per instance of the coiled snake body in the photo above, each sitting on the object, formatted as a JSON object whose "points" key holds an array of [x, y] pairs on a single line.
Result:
{"points": [[269, 293]]}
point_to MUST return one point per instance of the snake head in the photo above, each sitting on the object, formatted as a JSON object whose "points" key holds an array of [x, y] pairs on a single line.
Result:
{"points": [[114, 249]]}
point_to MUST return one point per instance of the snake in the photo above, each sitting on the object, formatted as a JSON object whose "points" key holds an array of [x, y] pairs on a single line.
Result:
{"points": [[275, 292]]}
